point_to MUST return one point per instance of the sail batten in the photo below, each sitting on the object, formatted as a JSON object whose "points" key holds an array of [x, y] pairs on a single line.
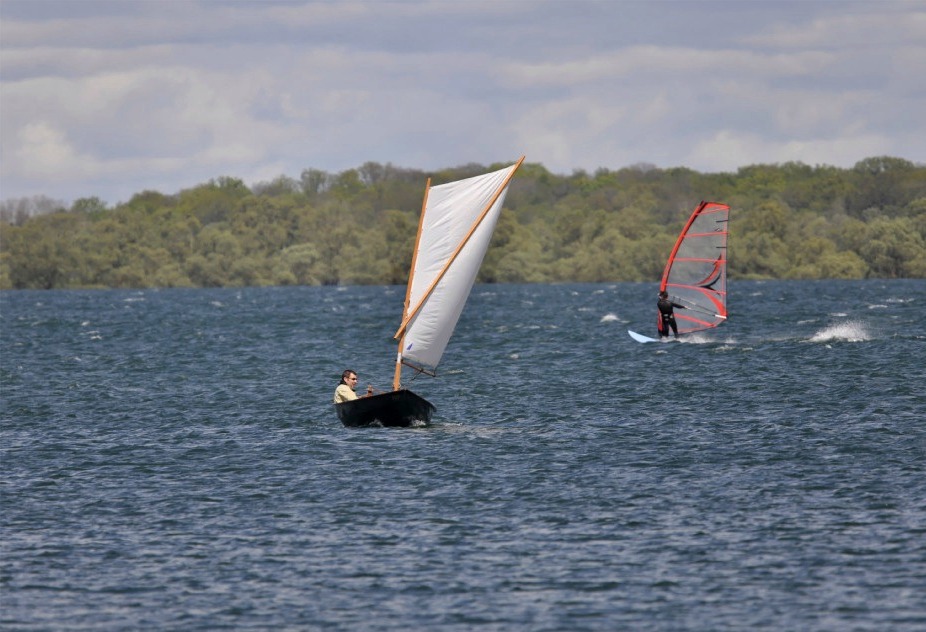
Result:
{"points": [[696, 272]]}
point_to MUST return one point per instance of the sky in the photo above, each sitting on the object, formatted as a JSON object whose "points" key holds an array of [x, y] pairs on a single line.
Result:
{"points": [[109, 98]]}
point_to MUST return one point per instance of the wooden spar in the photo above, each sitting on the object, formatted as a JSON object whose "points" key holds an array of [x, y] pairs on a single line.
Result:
{"points": [[463, 242], [397, 377]]}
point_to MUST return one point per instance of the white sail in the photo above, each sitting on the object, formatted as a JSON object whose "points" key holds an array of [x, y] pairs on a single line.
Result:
{"points": [[457, 223]]}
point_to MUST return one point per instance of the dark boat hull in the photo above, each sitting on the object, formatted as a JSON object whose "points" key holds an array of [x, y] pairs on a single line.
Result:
{"points": [[400, 408]]}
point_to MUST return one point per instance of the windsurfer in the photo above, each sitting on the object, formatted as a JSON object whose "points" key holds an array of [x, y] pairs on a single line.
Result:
{"points": [[666, 315], [345, 390]]}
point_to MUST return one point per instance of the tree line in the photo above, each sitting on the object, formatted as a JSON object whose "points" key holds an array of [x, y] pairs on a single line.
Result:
{"points": [[787, 221]]}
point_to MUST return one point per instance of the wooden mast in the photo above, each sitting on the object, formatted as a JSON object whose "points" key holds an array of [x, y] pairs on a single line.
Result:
{"points": [[397, 377]]}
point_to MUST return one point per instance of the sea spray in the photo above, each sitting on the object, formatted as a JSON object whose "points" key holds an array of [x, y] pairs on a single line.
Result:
{"points": [[849, 331]]}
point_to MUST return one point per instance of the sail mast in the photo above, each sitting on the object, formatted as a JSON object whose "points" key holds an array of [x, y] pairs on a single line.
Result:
{"points": [[397, 377], [409, 316]]}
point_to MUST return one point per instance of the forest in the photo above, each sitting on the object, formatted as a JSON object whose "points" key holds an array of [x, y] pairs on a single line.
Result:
{"points": [[787, 221]]}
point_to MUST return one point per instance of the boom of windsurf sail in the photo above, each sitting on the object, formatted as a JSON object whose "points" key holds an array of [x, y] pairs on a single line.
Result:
{"points": [[456, 226], [696, 272]]}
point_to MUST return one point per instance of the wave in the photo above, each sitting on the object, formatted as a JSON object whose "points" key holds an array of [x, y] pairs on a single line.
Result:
{"points": [[699, 338], [850, 331]]}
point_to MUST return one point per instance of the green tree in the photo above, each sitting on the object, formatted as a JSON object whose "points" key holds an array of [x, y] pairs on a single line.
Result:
{"points": [[882, 183], [297, 265], [359, 226], [892, 246]]}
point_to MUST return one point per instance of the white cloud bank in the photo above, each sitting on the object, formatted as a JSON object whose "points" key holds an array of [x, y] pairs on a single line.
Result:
{"points": [[111, 98]]}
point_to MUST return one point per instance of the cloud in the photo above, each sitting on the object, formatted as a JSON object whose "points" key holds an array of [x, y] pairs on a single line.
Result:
{"points": [[108, 99], [863, 26], [45, 151], [728, 150]]}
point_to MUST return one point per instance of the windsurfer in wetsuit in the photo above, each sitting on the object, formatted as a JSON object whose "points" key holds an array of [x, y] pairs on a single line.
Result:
{"points": [[666, 315]]}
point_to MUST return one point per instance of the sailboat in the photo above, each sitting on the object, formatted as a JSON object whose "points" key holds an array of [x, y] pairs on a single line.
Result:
{"points": [[454, 230], [695, 275]]}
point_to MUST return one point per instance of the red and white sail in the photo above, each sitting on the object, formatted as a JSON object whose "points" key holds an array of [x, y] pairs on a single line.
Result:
{"points": [[696, 272]]}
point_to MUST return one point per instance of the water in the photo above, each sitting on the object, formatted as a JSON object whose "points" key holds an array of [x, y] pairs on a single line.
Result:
{"points": [[171, 461]]}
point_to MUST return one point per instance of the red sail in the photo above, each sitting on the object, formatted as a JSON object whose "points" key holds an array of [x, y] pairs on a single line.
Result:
{"points": [[696, 272]]}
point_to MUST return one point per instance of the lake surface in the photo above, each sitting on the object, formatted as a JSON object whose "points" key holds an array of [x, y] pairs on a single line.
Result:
{"points": [[171, 461]]}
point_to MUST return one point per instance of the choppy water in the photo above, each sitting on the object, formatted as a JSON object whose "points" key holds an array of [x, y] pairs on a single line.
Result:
{"points": [[171, 461]]}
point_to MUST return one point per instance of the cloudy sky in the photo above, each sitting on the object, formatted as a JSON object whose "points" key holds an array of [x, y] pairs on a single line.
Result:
{"points": [[108, 98]]}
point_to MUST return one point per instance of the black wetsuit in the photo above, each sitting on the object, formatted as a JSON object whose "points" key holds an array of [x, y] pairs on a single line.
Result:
{"points": [[667, 318]]}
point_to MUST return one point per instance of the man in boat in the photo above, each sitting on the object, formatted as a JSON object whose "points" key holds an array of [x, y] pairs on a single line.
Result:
{"points": [[666, 315], [345, 390]]}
